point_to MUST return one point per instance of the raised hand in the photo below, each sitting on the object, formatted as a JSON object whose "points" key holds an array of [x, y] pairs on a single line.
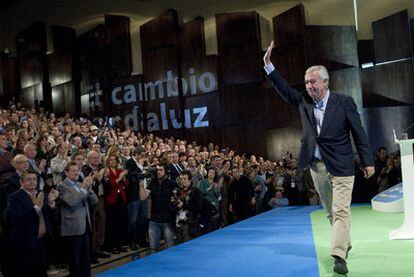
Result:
{"points": [[39, 199], [268, 53], [53, 195]]}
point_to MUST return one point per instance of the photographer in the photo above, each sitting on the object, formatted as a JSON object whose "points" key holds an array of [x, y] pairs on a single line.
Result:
{"points": [[196, 215], [137, 208], [162, 210]]}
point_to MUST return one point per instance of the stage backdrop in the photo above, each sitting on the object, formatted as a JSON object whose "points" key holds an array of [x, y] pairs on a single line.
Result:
{"points": [[223, 98]]}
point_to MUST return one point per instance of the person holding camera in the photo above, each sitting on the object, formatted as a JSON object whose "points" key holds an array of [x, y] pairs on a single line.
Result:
{"points": [[194, 212], [161, 190], [137, 208]]}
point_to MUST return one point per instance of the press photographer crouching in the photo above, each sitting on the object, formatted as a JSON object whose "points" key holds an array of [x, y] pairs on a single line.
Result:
{"points": [[195, 214]]}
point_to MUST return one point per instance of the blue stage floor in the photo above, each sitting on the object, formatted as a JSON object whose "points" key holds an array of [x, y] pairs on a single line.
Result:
{"points": [[276, 243]]}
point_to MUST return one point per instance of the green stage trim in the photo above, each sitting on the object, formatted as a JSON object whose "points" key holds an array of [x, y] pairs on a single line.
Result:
{"points": [[373, 254]]}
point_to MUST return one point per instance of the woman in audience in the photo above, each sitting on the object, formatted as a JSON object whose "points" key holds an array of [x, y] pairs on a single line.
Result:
{"points": [[116, 203], [210, 188]]}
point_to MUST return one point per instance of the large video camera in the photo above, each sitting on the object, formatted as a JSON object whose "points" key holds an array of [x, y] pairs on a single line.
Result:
{"points": [[149, 172]]}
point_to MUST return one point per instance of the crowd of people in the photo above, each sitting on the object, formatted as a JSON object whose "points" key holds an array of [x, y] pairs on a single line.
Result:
{"points": [[75, 190]]}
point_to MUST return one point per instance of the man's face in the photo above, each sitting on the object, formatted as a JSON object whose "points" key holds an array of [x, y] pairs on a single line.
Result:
{"points": [[72, 173], [236, 173], [94, 159], [21, 165], [278, 195], [217, 162], [14, 117], [77, 141], [30, 152], [79, 160], [174, 158], [160, 172], [192, 161], [3, 142], [315, 86], [84, 128], [184, 181], [9, 135], [382, 154], [55, 131], [63, 148], [29, 182]]}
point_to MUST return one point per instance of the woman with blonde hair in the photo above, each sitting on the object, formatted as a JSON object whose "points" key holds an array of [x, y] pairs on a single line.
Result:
{"points": [[115, 183]]}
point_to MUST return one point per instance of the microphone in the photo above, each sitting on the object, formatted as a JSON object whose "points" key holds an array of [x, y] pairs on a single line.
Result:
{"points": [[395, 136]]}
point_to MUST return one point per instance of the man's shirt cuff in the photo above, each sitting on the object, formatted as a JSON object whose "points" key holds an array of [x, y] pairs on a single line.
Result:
{"points": [[269, 68]]}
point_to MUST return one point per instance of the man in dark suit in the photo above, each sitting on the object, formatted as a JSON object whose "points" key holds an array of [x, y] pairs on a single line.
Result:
{"points": [[326, 147], [30, 153], [175, 168], [241, 195], [137, 208], [6, 169], [75, 199], [28, 226], [98, 215]]}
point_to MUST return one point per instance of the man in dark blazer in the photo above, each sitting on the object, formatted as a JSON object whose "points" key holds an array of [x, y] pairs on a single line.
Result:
{"points": [[137, 208], [6, 170], [28, 221], [75, 199], [175, 167], [328, 118]]}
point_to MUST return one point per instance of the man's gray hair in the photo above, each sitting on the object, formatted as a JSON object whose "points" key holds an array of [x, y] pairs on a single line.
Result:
{"points": [[323, 73]]}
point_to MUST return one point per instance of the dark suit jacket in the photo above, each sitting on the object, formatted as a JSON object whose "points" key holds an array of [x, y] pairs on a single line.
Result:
{"points": [[173, 172], [6, 168], [12, 184], [132, 190], [22, 232], [340, 119]]}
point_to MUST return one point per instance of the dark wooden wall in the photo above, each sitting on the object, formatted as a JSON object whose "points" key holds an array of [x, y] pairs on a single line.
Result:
{"points": [[9, 78], [392, 37], [62, 68], [243, 111], [32, 62]]}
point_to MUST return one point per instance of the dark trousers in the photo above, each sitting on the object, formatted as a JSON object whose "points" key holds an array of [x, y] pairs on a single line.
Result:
{"points": [[116, 219], [138, 222], [79, 254], [27, 260]]}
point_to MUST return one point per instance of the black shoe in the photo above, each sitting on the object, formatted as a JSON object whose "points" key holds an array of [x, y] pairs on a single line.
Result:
{"points": [[102, 255], [94, 261], [115, 251], [340, 266], [133, 247], [144, 245], [123, 249], [347, 251]]}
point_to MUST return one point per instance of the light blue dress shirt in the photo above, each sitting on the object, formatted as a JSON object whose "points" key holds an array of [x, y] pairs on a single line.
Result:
{"points": [[318, 111]]}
